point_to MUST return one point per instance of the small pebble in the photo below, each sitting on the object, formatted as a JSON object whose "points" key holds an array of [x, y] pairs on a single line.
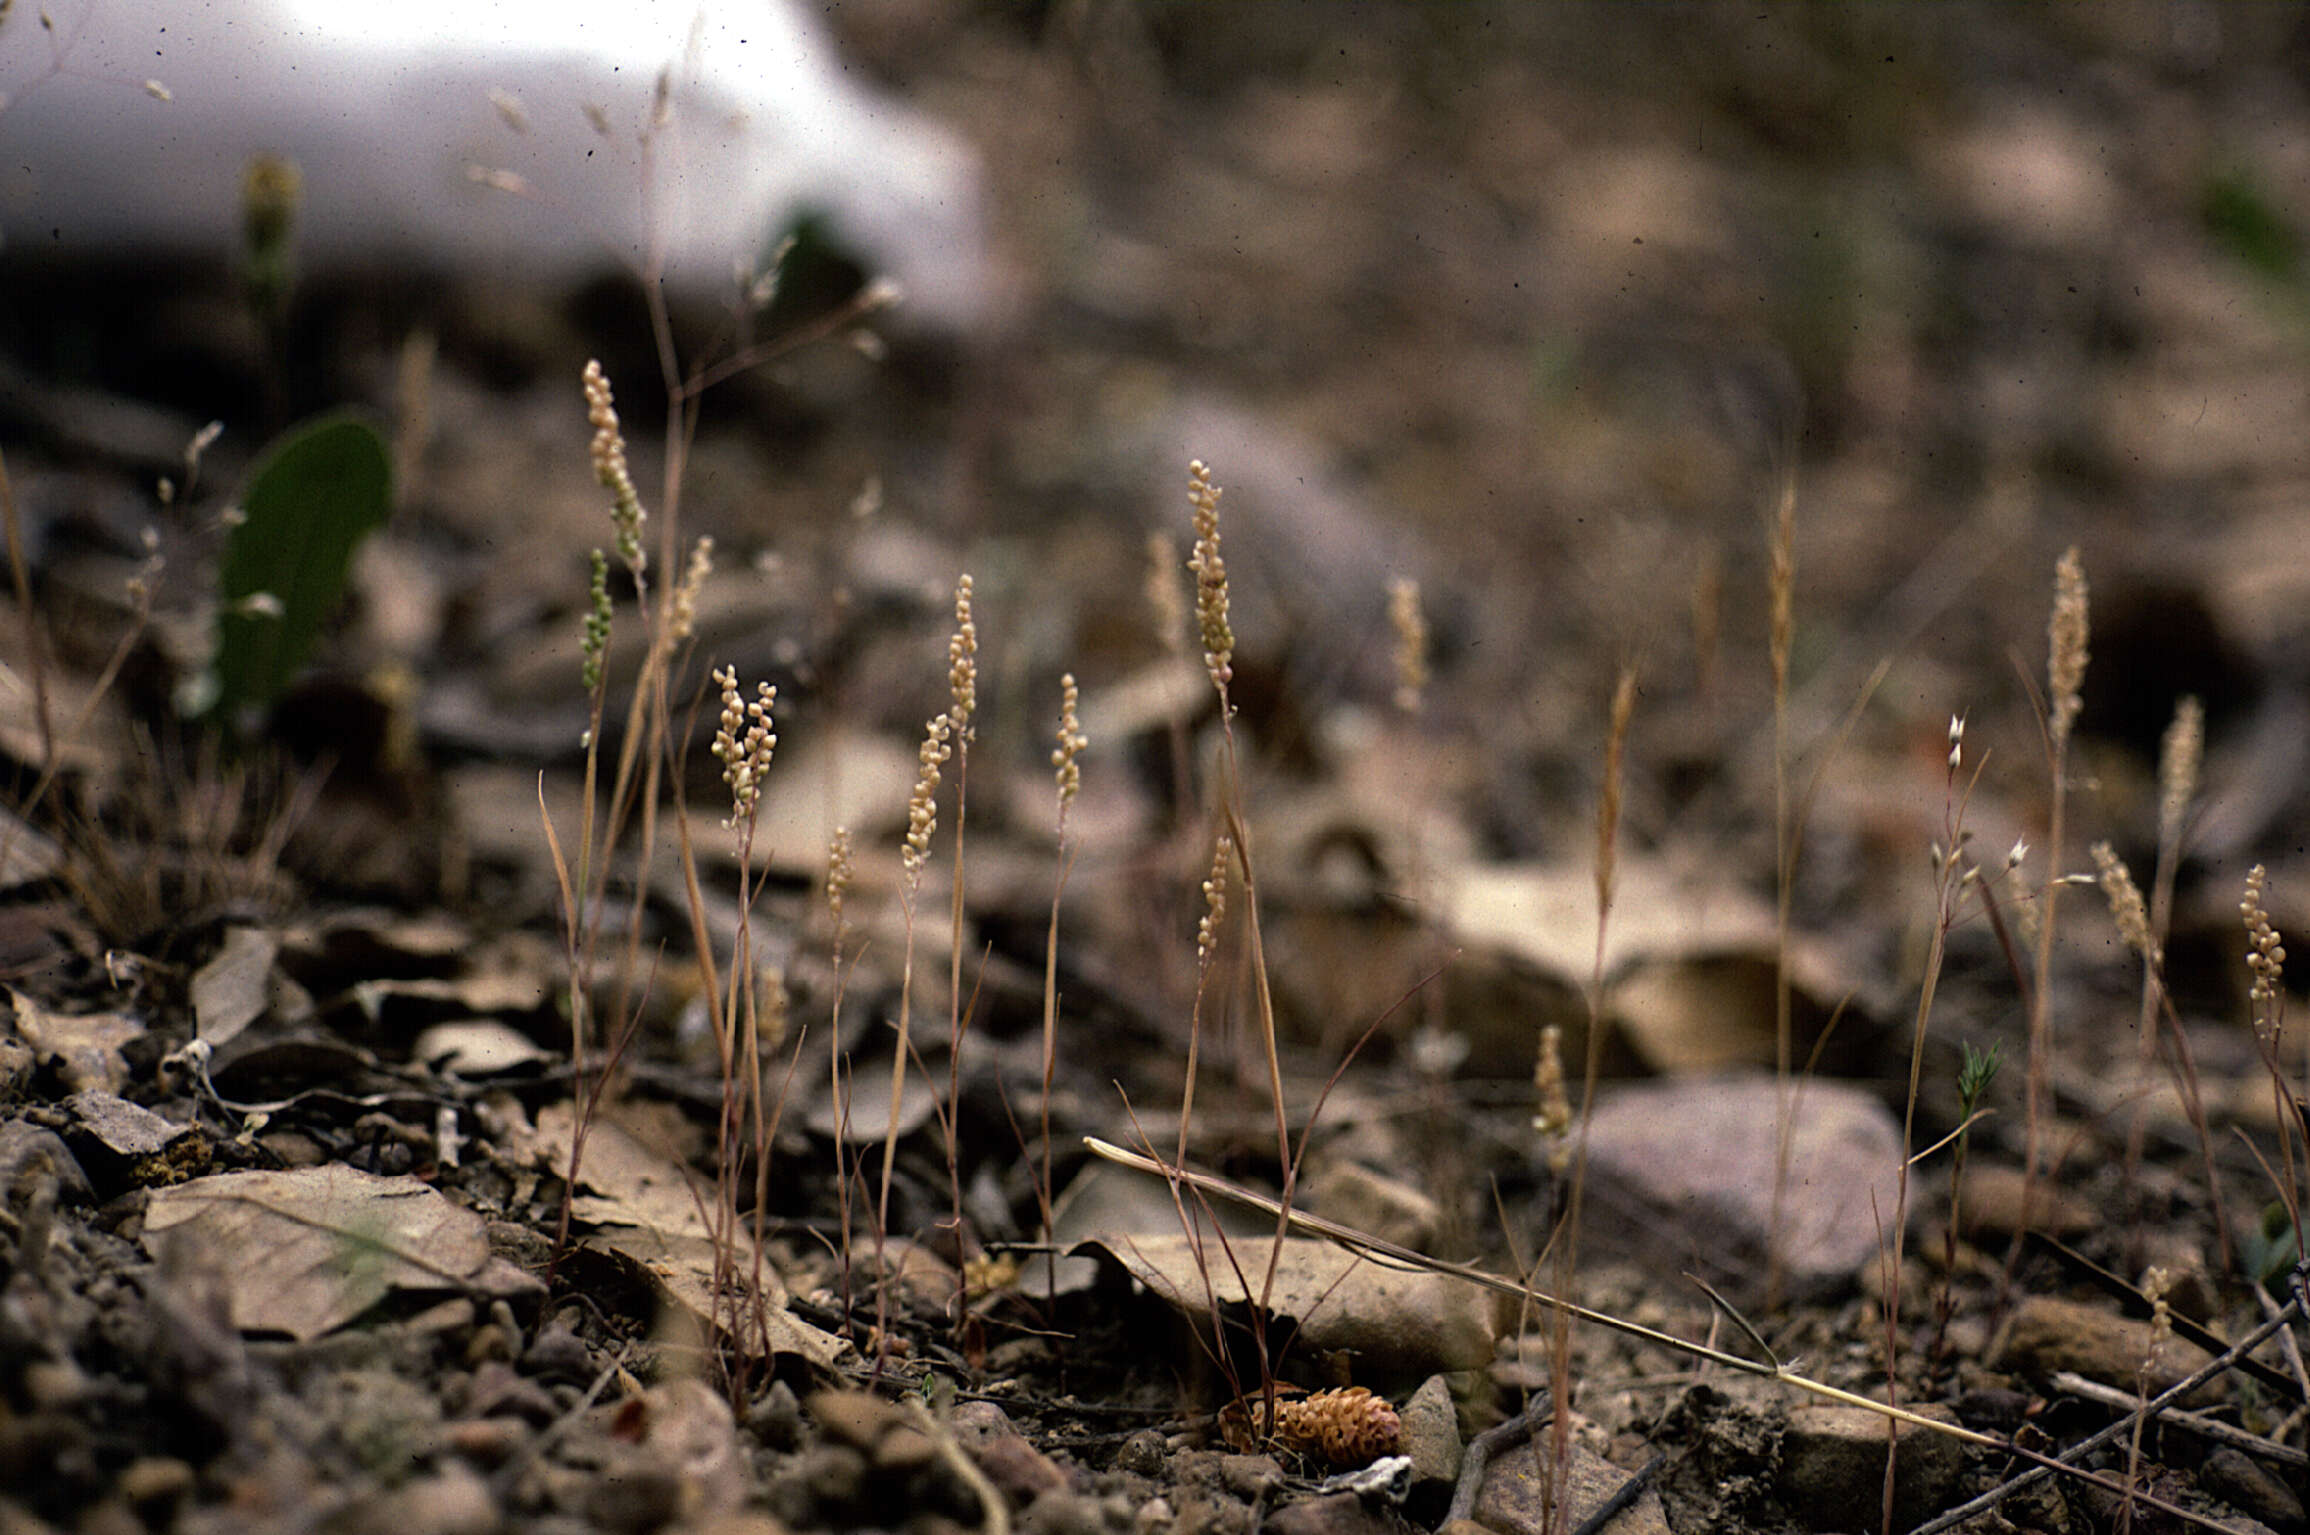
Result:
{"points": [[487, 1441], [153, 1485], [559, 1356], [775, 1417], [1142, 1453], [835, 1475], [1249, 1476]]}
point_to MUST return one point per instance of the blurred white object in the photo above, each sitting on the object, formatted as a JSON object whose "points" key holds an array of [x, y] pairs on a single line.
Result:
{"points": [[520, 140]]}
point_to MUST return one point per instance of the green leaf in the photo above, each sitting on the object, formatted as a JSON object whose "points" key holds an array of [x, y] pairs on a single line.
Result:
{"points": [[2250, 227], [321, 489]]}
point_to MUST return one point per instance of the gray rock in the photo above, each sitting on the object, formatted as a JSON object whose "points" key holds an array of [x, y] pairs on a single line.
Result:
{"points": [[2046, 1334], [1514, 1498], [2246, 1484], [1681, 1174], [1833, 1467], [1356, 1196]]}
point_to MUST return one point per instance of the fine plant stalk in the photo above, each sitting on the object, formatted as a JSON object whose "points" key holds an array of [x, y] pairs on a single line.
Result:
{"points": [[1068, 776], [962, 682], [1974, 1075], [2178, 761], [2266, 1003], [1567, 1249], [838, 876], [1782, 595], [1951, 878], [942, 737], [2066, 651], [2131, 917]]}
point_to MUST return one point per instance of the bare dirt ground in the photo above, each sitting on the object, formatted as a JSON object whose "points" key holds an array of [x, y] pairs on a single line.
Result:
{"points": [[1550, 310]]}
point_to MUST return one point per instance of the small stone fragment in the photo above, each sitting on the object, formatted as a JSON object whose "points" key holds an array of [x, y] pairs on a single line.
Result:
{"points": [[558, 1355], [1342, 1513], [1019, 1471], [154, 1485], [1431, 1433], [1249, 1476], [452, 1501]]}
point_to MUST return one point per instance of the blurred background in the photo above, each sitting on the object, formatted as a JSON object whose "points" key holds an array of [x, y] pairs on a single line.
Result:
{"points": [[1542, 306]]}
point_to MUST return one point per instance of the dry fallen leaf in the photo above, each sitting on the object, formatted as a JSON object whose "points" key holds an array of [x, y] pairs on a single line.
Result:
{"points": [[306, 1251], [230, 991], [640, 1206], [1688, 959], [85, 1046], [1399, 1325]]}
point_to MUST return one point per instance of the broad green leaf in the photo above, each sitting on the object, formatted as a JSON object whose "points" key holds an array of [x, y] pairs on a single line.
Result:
{"points": [[319, 491]]}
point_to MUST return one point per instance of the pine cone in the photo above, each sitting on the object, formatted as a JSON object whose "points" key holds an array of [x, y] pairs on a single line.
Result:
{"points": [[1349, 1427]]}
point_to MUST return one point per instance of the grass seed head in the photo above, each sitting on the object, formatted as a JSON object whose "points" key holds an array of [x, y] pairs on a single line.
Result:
{"points": [[596, 640], [1167, 609], [2265, 959], [609, 455], [743, 742], [922, 804], [2066, 635], [838, 874], [1214, 901], [962, 661], [2125, 902], [685, 622], [1411, 627], [1071, 741], [2180, 756], [1210, 578]]}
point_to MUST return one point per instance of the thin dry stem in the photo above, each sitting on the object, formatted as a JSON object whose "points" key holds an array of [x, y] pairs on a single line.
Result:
{"points": [[1068, 775], [1782, 597], [2066, 645], [2180, 756]]}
